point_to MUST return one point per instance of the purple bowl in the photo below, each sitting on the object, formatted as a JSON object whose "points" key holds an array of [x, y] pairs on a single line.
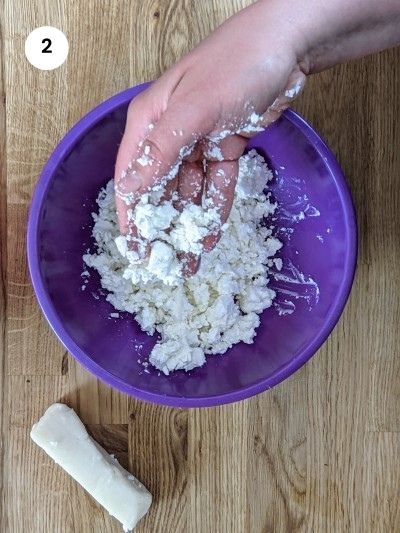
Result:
{"points": [[320, 247]]}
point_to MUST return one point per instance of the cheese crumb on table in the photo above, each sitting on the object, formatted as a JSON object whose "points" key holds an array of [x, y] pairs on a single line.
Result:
{"points": [[64, 438], [218, 306]]}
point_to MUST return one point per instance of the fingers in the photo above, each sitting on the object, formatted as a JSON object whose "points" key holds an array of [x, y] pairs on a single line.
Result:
{"points": [[190, 183], [158, 135], [171, 189], [190, 189], [221, 180], [221, 174], [162, 151], [222, 169], [158, 158], [228, 149], [196, 154]]}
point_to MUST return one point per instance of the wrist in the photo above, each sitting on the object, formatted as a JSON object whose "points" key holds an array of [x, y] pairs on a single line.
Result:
{"points": [[292, 26]]}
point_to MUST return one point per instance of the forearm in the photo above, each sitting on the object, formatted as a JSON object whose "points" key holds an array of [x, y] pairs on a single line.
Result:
{"points": [[333, 31]]}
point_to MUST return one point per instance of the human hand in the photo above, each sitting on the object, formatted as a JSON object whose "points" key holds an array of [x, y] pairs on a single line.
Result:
{"points": [[211, 101], [198, 115]]}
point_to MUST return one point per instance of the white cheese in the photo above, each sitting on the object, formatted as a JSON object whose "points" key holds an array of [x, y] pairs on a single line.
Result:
{"points": [[62, 435], [218, 306]]}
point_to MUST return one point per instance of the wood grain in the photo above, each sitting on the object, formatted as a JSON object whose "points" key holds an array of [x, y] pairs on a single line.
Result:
{"points": [[3, 270], [319, 453]]}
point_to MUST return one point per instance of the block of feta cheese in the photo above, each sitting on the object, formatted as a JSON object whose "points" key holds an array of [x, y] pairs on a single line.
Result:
{"points": [[63, 436]]}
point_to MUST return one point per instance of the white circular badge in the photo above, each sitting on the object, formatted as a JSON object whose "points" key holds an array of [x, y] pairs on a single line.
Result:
{"points": [[46, 48]]}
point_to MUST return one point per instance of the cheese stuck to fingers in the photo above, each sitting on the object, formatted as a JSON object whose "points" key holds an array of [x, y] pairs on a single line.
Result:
{"points": [[62, 435]]}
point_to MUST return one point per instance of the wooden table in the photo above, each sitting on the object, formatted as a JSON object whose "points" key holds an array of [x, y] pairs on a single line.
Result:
{"points": [[320, 452]]}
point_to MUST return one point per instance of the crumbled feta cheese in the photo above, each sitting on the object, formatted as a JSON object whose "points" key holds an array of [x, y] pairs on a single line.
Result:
{"points": [[218, 306]]}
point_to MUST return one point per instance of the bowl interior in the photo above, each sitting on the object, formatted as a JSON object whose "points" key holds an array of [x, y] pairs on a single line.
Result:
{"points": [[315, 220]]}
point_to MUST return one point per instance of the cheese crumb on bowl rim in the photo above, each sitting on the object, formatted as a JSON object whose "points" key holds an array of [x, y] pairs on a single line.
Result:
{"points": [[236, 390]]}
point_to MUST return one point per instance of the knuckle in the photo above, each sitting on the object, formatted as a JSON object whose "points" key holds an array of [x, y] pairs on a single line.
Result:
{"points": [[157, 149]]}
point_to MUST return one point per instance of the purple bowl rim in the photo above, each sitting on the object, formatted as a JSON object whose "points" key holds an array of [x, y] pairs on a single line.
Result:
{"points": [[63, 149]]}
